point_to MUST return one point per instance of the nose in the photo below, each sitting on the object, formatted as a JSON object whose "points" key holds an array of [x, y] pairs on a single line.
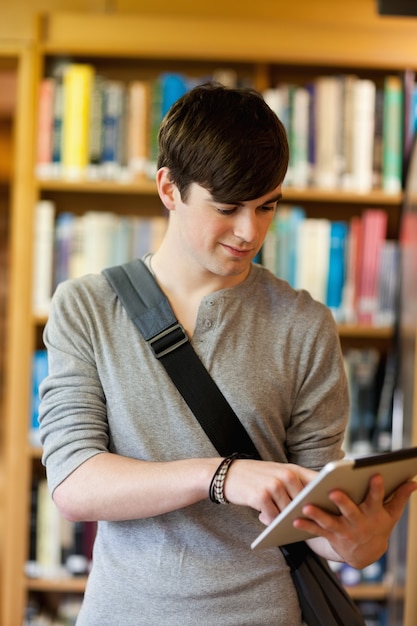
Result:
{"points": [[246, 226]]}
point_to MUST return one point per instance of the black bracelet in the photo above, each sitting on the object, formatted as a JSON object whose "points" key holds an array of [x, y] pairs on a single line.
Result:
{"points": [[216, 490]]}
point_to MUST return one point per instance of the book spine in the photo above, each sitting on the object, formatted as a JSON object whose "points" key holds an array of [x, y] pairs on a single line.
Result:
{"points": [[363, 134], [114, 107], [337, 268], [374, 226], [78, 84], [350, 288], [392, 135], [95, 140], [329, 160], [300, 137], [43, 256], [57, 135], [361, 368], [313, 257], [45, 124], [348, 121], [138, 126], [39, 373]]}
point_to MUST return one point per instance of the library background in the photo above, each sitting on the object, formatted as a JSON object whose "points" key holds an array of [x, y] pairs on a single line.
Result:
{"points": [[77, 194]]}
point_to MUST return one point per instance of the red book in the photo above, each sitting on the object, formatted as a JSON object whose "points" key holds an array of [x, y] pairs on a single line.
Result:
{"points": [[45, 127], [374, 230]]}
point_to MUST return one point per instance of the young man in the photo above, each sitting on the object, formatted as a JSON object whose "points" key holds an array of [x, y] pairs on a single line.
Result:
{"points": [[122, 447]]}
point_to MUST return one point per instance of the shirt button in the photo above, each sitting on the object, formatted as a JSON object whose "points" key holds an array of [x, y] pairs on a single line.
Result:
{"points": [[208, 324]]}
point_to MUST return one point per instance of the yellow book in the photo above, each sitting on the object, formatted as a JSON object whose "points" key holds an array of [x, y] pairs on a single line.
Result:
{"points": [[78, 83]]}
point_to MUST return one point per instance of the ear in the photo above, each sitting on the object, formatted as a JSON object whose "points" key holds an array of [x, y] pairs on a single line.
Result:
{"points": [[167, 190]]}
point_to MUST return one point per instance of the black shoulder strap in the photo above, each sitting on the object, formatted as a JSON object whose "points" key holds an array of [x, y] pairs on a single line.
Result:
{"points": [[151, 312]]}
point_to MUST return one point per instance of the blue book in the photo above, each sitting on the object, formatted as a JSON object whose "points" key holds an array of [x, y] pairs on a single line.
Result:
{"points": [[287, 221], [297, 215], [173, 87], [337, 266], [39, 372]]}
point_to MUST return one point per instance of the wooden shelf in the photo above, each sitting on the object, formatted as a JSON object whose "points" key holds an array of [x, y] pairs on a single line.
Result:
{"points": [[147, 186], [345, 330], [374, 591], [139, 186], [56, 585], [362, 330]]}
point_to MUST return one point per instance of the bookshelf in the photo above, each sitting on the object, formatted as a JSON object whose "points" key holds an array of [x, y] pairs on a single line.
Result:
{"points": [[14, 459], [258, 51]]}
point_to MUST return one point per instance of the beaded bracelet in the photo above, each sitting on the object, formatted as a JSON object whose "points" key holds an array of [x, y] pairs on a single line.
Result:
{"points": [[216, 490]]}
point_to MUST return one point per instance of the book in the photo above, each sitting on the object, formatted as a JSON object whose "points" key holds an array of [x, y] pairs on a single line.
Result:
{"points": [[328, 125], [165, 90], [139, 95], [57, 134], [173, 87], [98, 231], [270, 248], [113, 142], [350, 288], [299, 134], [374, 228], [378, 138], [410, 116], [48, 534], [78, 85], [95, 138], [362, 369], [313, 243], [337, 268], [45, 126], [363, 134], [392, 157], [287, 222], [388, 284], [63, 241], [348, 122], [39, 373], [43, 256]]}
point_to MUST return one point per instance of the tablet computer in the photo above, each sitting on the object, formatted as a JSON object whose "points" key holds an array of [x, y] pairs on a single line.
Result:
{"points": [[351, 476]]}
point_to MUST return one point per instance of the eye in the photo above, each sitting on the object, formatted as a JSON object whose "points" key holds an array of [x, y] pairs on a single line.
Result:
{"points": [[226, 211], [269, 207]]}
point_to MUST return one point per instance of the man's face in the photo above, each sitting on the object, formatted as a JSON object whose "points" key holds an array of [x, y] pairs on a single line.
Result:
{"points": [[223, 238]]}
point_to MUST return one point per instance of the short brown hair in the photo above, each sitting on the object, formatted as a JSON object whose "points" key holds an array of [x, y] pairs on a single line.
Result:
{"points": [[227, 140]]}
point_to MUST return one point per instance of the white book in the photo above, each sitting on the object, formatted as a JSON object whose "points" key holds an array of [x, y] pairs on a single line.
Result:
{"points": [[363, 134], [300, 137], [48, 534], [43, 256], [99, 228], [328, 122], [313, 245]]}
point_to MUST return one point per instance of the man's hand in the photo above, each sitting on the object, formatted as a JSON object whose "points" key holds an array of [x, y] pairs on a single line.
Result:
{"points": [[265, 486], [359, 535]]}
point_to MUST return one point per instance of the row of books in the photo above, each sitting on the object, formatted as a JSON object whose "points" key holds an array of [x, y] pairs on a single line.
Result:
{"points": [[93, 127], [372, 384], [371, 380], [349, 266], [57, 547], [347, 132], [344, 131], [67, 245], [64, 614]]}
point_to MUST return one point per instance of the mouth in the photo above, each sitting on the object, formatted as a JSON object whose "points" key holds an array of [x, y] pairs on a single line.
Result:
{"points": [[240, 253]]}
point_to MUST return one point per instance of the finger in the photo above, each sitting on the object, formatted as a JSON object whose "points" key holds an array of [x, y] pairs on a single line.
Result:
{"points": [[396, 505]]}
